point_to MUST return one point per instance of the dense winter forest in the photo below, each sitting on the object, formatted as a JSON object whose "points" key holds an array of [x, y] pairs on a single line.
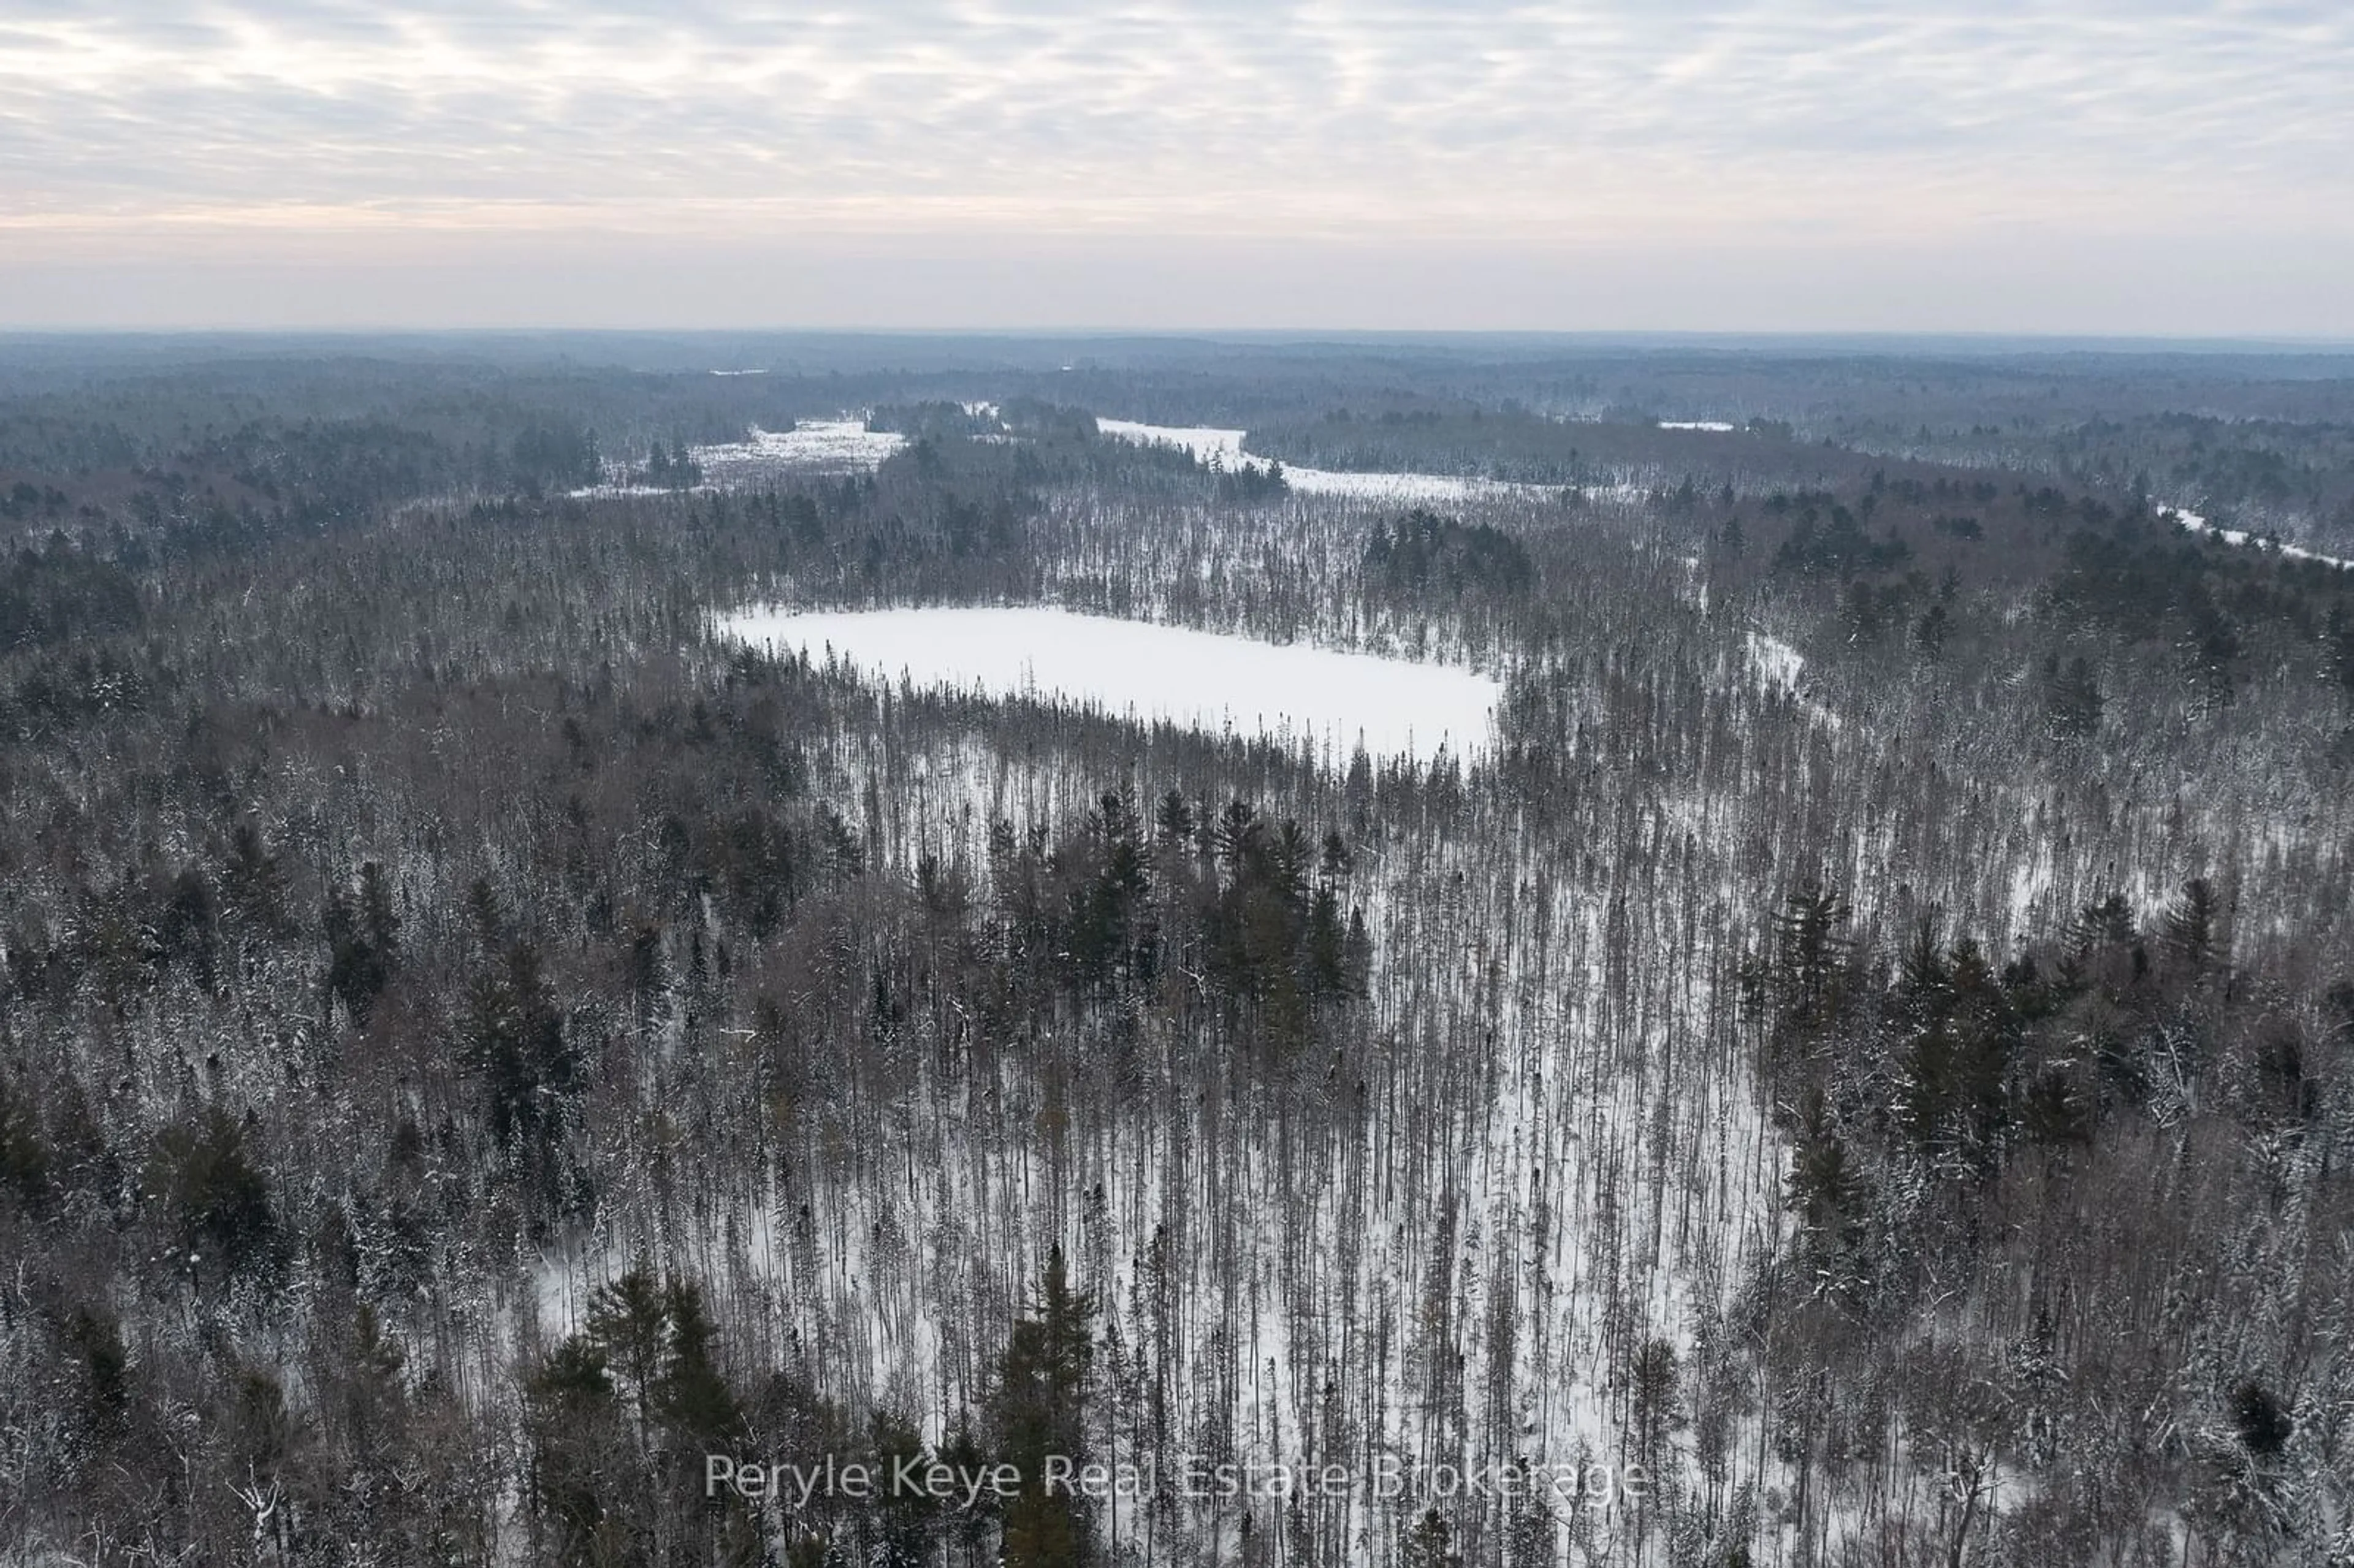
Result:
{"points": [[1857, 1068]]}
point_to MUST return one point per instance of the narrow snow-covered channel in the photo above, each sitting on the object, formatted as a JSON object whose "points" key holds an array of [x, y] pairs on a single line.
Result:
{"points": [[1330, 702], [2195, 524]]}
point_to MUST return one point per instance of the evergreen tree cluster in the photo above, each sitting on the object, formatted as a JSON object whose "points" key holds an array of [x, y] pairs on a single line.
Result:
{"points": [[1422, 553]]}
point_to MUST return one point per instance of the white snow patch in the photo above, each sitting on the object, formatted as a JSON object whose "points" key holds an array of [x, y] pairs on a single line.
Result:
{"points": [[1224, 448], [1408, 486], [1778, 668], [1775, 661], [1330, 701], [612, 491], [1207, 445], [814, 446], [1719, 426], [2198, 525]]}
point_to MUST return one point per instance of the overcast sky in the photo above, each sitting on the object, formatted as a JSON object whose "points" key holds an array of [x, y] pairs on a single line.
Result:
{"points": [[1942, 165]]}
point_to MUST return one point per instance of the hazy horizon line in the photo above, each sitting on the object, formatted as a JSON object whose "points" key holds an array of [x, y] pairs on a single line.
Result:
{"points": [[1626, 336]]}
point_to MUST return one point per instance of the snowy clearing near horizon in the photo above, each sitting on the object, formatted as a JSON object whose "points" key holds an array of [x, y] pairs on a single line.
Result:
{"points": [[829, 446], [1719, 427], [1329, 701], [813, 446], [1224, 450]]}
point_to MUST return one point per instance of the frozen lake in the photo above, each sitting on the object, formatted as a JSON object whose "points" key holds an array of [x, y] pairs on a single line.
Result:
{"points": [[1332, 701]]}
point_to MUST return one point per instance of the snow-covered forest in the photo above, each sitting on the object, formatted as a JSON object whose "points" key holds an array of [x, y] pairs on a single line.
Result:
{"points": [[1856, 1066]]}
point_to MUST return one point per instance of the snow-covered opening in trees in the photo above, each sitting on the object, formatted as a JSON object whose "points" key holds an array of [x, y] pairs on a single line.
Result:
{"points": [[827, 447], [2195, 524], [1777, 662], [1224, 448], [1327, 700], [813, 446]]}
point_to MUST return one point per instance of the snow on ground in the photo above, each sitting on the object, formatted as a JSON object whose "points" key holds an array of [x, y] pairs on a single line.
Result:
{"points": [[1225, 449], [1530, 1160], [612, 491], [1407, 486], [1777, 667], [1719, 426], [814, 446], [1332, 701], [1207, 445], [1775, 661], [2198, 525]]}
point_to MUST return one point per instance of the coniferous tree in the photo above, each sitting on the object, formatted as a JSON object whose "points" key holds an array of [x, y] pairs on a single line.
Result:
{"points": [[571, 1418], [253, 888], [1430, 1543], [216, 1199], [512, 1038], [2191, 926], [25, 1173], [363, 944], [1810, 950], [1041, 1414]]}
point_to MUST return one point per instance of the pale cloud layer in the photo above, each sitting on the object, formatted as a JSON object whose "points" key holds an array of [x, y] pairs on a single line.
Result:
{"points": [[1781, 165]]}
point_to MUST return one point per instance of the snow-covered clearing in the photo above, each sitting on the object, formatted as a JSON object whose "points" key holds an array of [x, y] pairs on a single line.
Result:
{"points": [[2193, 522], [1224, 448], [814, 446], [1332, 702]]}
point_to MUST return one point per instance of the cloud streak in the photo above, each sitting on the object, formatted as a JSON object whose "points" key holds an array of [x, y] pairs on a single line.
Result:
{"points": [[1537, 125]]}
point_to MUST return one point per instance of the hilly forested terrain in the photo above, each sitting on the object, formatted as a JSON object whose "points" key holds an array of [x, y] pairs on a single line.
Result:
{"points": [[1859, 1070]]}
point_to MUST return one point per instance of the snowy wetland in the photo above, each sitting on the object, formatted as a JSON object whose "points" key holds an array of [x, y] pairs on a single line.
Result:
{"points": [[1332, 702]]}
